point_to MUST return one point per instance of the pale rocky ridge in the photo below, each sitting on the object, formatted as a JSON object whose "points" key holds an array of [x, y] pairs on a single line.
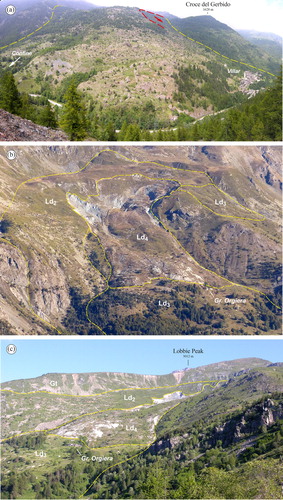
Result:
{"points": [[75, 383]]}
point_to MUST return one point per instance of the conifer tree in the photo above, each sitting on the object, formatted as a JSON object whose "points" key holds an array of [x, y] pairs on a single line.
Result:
{"points": [[133, 133], [26, 109], [195, 133], [146, 135], [110, 133], [123, 131], [9, 96], [47, 117], [181, 134], [73, 119], [160, 135]]}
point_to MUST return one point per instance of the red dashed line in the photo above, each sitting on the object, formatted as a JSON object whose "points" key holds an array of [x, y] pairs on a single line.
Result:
{"points": [[156, 16]]}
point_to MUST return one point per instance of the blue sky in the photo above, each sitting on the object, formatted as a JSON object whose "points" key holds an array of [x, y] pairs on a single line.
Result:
{"points": [[35, 357]]}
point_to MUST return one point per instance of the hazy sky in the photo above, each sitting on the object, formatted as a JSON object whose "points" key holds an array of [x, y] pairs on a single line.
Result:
{"points": [[35, 357], [261, 15]]}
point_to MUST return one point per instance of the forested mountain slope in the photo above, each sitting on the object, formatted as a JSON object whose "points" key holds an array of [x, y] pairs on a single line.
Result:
{"points": [[129, 72]]}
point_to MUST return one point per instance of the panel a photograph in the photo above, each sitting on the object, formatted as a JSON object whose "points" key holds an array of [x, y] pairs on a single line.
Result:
{"points": [[154, 71], [142, 418], [140, 240]]}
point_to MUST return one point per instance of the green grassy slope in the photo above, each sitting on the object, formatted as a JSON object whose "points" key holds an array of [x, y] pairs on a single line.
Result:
{"points": [[225, 40], [160, 78], [199, 449], [240, 391]]}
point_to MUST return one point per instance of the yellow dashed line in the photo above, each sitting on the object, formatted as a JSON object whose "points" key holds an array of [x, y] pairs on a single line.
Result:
{"points": [[107, 392], [72, 420], [107, 279], [197, 185], [30, 34], [155, 437], [217, 213], [215, 51], [148, 445], [118, 463], [205, 383], [202, 267]]}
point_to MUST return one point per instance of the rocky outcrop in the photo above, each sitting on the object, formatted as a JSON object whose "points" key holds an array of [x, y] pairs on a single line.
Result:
{"points": [[13, 273], [150, 240], [169, 397], [49, 291], [162, 444], [250, 422], [14, 128], [271, 169]]}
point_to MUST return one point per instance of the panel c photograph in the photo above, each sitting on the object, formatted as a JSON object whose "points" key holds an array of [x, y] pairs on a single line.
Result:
{"points": [[141, 418]]}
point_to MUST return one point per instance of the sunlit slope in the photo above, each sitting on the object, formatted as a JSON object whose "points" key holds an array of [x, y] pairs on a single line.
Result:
{"points": [[85, 384], [223, 39], [56, 435], [91, 245], [85, 407], [241, 389], [72, 405], [125, 64]]}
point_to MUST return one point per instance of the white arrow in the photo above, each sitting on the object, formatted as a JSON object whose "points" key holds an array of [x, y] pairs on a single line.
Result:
{"points": [[14, 62]]}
